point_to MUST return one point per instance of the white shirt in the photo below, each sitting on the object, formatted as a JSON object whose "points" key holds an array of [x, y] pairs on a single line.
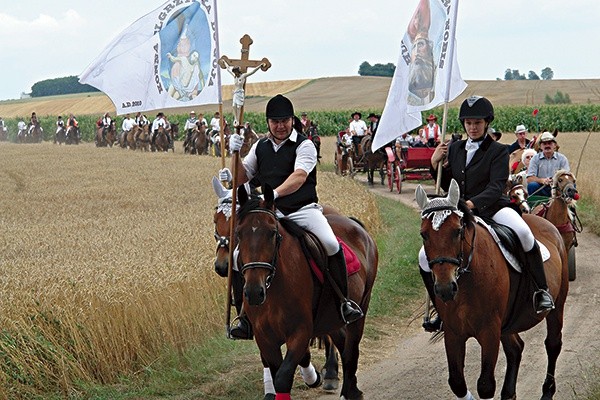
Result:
{"points": [[190, 123], [21, 125], [359, 127], [215, 124], [128, 124], [157, 123], [306, 156]]}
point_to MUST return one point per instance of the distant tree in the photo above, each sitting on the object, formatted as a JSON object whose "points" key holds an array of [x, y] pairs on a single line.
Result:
{"points": [[517, 75], [56, 86], [559, 98], [533, 76], [367, 69], [508, 76], [547, 74]]}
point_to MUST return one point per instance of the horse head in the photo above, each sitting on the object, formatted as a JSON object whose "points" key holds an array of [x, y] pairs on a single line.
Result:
{"points": [[563, 186], [259, 240], [221, 220], [444, 224], [516, 190]]}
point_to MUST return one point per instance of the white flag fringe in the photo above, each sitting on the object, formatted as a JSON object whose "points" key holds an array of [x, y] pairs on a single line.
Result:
{"points": [[427, 72], [165, 59]]}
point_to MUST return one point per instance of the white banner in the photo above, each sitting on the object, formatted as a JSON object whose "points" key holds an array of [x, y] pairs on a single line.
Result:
{"points": [[166, 59], [427, 72]]}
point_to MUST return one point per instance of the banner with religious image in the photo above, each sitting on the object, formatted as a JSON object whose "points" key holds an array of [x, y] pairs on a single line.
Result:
{"points": [[427, 72], [165, 59]]}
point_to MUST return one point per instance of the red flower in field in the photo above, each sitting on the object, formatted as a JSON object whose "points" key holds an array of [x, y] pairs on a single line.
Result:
{"points": [[535, 112], [595, 117]]}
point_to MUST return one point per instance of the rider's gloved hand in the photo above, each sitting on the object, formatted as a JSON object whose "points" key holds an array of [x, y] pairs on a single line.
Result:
{"points": [[235, 142], [225, 175]]}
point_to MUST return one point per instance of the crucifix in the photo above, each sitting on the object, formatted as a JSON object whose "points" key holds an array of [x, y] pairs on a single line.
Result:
{"points": [[239, 70]]}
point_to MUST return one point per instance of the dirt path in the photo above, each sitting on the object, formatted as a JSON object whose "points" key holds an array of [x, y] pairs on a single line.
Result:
{"points": [[416, 369]]}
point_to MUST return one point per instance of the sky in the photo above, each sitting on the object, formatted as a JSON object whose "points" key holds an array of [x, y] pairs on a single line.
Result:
{"points": [[41, 39]]}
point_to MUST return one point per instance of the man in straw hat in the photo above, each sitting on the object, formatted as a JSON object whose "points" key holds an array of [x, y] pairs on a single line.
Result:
{"points": [[522, 142], [543, 165]]}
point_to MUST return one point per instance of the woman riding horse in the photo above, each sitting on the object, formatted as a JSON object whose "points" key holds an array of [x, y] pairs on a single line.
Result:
{"points": [[480, 166]]}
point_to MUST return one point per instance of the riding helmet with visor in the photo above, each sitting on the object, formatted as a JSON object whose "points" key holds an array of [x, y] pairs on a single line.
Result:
{"points": [[476, 107], [279, 107]]}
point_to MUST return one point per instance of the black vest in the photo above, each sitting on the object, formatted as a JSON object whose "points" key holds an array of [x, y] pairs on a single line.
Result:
{"points": [[275, 167]]}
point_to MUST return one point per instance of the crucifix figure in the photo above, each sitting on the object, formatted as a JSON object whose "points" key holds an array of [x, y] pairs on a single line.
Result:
{"points": [[239, 70]]}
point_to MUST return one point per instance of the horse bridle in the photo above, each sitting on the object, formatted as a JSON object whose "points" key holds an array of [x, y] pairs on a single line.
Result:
{"points": [[272, 266], [459, 259]]}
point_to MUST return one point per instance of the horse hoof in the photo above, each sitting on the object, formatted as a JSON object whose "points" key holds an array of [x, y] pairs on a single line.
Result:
{"points": [[269, 396], [330, 385]]}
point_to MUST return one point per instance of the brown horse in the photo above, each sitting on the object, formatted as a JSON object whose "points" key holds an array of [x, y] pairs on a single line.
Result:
{"points": [[516, 189], [37, 134], [72, 135], [161, 143], [222, 233], [198, 143], [250, 137], [284, 301], [60, 136], [479, 295], [561, 210], [108, 138], [344, 157], [142, 138], [373, 159]]}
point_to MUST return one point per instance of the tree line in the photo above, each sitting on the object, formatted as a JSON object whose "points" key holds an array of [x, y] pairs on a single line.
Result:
{"points": [[514, 75], [57, 86]]}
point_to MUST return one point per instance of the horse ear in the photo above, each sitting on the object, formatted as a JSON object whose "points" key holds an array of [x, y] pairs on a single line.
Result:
{"points": [[220, 191], [453, 193], [421, 197], [242, 195]]}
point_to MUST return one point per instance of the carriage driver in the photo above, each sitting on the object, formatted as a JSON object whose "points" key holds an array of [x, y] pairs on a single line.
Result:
{"points": [[480, 166], [286, 161]]}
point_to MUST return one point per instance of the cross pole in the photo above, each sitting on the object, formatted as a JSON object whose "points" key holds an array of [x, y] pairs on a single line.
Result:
{"points": [[243, 63]]}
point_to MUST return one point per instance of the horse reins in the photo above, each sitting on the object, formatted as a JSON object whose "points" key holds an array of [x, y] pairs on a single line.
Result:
{"points": [[272, 266]]}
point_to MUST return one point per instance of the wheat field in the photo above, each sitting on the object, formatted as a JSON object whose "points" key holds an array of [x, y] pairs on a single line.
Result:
{"points": [[106, 260]]}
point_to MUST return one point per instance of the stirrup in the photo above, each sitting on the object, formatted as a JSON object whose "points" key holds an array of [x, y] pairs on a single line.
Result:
{"points": [[350, 311], [542, 301], [432, 326], [241, 331]]}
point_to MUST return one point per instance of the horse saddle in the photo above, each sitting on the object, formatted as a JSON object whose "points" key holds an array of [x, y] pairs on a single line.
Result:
{"points": [[509, 243], [315, 253]]}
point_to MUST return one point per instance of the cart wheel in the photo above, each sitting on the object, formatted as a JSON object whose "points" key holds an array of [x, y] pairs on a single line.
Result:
{"points": [[572, 262], [399, 178], [390, 175], [351, 171]]}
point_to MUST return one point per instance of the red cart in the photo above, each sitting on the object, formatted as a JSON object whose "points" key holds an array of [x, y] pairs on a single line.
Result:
{"points": [[407, 164]]}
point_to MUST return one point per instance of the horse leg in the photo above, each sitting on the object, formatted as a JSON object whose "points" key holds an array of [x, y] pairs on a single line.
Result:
{"points": [[370, 172], [330, 370], [490, 347], [553, 343], [297, 346], [513, 349], [267, 380], [349, 351], [311, 377], [382, 174], [455, 355]]}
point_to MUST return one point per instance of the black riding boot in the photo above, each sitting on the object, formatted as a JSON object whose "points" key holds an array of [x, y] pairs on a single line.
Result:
{"points": [[243, 330], [350, 311], [542, 299], [436, 324]]}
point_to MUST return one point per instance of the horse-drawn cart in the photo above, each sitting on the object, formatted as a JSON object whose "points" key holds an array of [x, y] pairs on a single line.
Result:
{"points": [[407, 164]]}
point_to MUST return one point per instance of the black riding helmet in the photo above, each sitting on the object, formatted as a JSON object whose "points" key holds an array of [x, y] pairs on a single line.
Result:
{"points": [[279, 107], [476, 107]]}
